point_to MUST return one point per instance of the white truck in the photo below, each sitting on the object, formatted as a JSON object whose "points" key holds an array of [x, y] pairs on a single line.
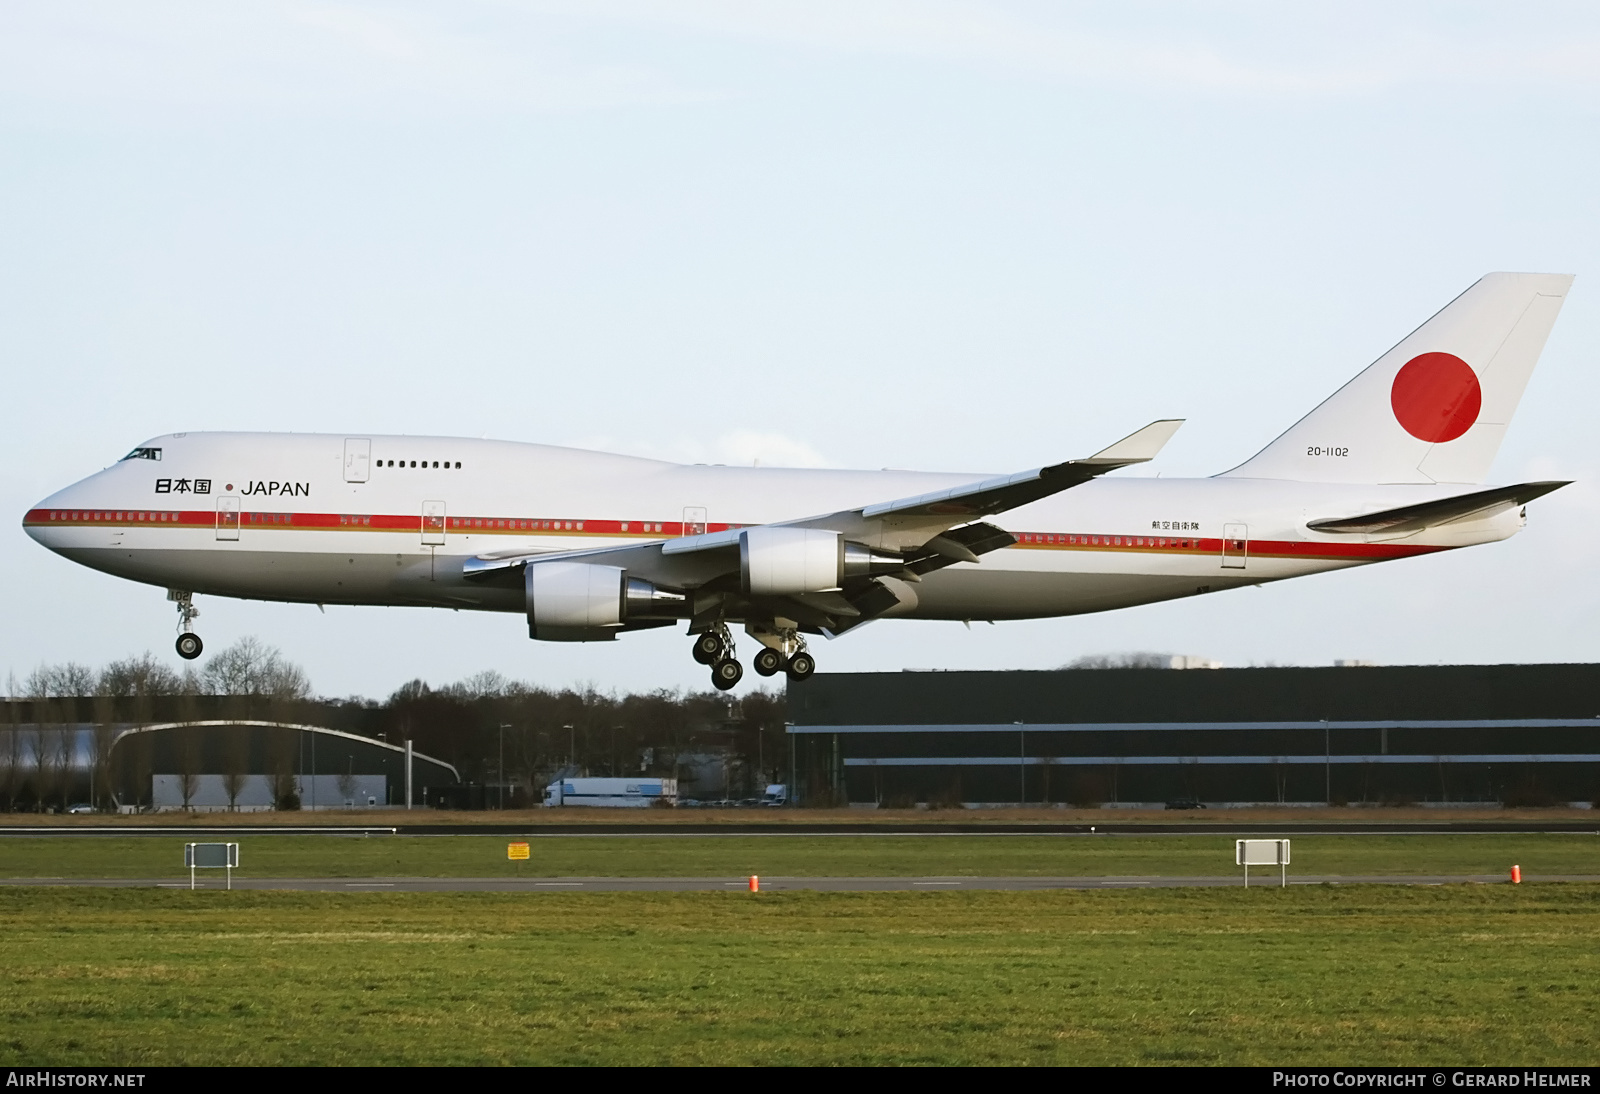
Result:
{"points": [[612, 793], [777, 794]]}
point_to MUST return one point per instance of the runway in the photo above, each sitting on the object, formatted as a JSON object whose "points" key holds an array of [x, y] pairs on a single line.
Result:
{"points": [[209, 880], [545, 830]]}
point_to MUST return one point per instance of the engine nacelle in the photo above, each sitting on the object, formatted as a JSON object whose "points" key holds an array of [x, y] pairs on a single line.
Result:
{"points": [[584, 602], [779, 561]]}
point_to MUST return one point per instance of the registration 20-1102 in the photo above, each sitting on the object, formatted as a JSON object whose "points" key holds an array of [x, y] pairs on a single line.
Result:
{"points": [[1314, 450]]}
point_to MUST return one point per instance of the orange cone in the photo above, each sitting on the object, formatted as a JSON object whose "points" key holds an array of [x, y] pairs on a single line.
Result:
{"points": [[1516, 875], [755, 884]]}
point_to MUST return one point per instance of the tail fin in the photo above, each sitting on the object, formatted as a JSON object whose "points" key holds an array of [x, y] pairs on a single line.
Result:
{"points": [[1434, 408]]}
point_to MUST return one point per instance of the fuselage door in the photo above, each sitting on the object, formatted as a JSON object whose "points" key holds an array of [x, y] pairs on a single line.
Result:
{"points": [[227, 518], [694, 520], [1235, 545], [433, 524], [357, 459]]}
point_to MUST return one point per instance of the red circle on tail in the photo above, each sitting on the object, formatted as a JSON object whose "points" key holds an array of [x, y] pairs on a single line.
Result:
{"points": [[1436, 397]]}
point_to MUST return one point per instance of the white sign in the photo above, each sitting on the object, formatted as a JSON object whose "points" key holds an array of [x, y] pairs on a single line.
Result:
{"points": [[219, 856], [1262, 852]]}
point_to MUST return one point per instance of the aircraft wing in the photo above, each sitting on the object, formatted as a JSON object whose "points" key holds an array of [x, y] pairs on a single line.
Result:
{"points": [[908, 524], [925, 532], [1431, 514]]}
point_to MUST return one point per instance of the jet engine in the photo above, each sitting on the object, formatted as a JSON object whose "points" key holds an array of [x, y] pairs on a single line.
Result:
{"points": [[781, 561], [584, 602]]}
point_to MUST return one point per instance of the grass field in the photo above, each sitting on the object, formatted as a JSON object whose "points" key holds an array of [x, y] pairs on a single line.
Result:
{"points": [[1346, 975], [779, 856]]}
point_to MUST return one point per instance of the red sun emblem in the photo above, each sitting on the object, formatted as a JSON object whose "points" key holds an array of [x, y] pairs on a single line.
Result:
{"points": [[1436, 397]]}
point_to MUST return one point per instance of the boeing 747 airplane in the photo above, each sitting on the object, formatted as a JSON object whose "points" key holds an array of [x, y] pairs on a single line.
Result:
{"points": [[589, 546]]}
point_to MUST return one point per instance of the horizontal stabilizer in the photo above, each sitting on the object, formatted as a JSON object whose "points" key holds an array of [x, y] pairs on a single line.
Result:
{"points": [[1431, 514]]}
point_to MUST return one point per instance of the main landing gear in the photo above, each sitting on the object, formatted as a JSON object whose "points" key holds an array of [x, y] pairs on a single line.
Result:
{"points": [[715, 648], [188, 645], [781, 651], [771, 661]]}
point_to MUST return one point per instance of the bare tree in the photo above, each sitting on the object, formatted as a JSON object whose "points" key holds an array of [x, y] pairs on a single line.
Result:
{"points": [[347, 785], [62, 748], [11, 758], [11, 748], [40, 753], [136, 760], [101, 742], [235, 765], [250, 667], [280, 769], [138, 676], [69, 680], [1139, 659], [188, 741]]}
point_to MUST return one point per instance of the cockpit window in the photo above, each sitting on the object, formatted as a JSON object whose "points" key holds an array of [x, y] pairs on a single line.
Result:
{"points": [[143, 454]]}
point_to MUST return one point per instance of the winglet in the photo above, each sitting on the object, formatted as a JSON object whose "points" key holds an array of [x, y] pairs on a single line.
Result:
{"points": [[1140, 446]]}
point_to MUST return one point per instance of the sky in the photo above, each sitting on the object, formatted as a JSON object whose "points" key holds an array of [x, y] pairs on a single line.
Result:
{"points": [[942, 235]]}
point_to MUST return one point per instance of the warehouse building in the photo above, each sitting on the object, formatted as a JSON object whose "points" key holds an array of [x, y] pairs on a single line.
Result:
{"points": [[209, 765], [1447, 734]]}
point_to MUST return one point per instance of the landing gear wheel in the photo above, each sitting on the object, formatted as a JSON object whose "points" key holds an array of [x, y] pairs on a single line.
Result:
{"points": [[801, 666], [725, 674], [189, 646], [707, 648], [767, 662]]}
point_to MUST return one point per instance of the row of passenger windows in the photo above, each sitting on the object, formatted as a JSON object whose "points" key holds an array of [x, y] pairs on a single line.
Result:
{"points": [[271, 518], [484, 522], [445, 464], [1104, 541], [102, 514]]}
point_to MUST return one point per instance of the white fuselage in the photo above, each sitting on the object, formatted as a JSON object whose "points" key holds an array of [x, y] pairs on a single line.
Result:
{"points": [[276, 517]]}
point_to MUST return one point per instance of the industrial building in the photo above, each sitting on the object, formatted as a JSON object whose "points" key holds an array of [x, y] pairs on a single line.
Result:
{"points": [[210, 765], [1446, 734]]}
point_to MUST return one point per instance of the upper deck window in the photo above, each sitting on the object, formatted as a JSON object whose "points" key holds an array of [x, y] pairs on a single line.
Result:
{"points": [[143, 454]]}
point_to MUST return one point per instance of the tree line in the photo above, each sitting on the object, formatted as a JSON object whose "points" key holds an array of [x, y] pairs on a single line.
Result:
{"points": [[494, 730]]}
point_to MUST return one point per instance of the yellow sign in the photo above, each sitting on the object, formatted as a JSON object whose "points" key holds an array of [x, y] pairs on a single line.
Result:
{"points": [[516, 850]]}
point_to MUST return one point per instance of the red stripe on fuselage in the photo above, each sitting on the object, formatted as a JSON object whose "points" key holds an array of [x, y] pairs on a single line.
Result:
{"points": [[265, 520]]}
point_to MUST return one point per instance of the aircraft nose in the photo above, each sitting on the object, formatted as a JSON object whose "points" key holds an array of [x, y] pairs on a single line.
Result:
{"points": [[45, 518]]}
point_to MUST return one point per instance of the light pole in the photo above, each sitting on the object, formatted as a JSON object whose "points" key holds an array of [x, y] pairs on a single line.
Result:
{"points": [[572, 747], [502, 762], [1022, 763], [793, 781], [1327, 765]]}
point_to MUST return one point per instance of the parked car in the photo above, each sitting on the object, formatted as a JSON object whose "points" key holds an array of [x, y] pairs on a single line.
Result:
{"points": [[81, 807]]}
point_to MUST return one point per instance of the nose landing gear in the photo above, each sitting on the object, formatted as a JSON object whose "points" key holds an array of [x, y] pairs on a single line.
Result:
{"points": [[188, 645]]}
